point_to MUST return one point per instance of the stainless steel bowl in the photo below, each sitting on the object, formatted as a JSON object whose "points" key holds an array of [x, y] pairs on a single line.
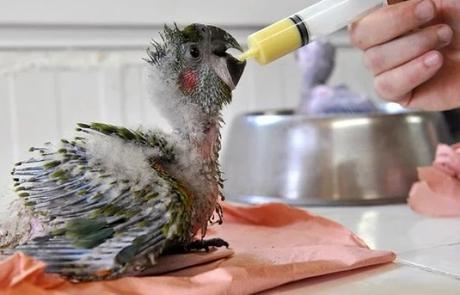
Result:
{"points": [[359, 159]]}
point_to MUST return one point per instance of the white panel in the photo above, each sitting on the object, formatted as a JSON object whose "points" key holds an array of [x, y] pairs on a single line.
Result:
{"points": [[6, 136], [146, 12], [35, 110], [64, 37], [111, 94], [133, 98], [78, 95], [96, 37]]}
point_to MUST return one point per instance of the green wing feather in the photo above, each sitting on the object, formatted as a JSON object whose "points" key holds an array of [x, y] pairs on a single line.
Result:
{"points": [[98, 224]]}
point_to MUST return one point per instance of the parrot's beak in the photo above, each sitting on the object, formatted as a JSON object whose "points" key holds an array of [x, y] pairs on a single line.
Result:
{"points": [[221, 41]]}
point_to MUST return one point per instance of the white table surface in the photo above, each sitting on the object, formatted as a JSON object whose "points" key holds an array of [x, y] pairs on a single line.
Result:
{"points": [[428, 254]]}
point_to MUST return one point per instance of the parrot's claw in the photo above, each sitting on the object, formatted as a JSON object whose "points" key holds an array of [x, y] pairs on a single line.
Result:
{"points": [[197, 245], [206, 244]]}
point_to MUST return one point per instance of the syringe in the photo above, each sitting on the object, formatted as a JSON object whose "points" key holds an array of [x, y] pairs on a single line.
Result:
{"points": [[319, 19]]}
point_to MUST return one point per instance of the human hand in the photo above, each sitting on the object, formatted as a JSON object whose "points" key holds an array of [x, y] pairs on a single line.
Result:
{"points": [[413, 50]]}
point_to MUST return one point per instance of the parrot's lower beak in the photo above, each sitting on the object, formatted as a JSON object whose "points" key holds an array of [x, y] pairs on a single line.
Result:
{"points": [[221, 41], [235, 68]]}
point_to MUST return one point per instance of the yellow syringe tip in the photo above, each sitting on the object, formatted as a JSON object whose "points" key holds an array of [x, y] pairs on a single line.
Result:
{"points": [[250, 53], [273, 41]]}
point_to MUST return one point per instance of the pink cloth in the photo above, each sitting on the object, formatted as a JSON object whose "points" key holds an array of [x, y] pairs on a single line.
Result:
{"points": [[438, 191], [274, 244]]}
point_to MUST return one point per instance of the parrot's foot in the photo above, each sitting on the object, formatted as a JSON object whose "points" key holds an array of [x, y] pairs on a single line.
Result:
{"points": [[197, 245], [206, 244]]}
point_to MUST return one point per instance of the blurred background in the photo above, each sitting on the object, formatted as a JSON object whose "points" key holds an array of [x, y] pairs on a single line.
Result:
{"points": [[63, 62]]}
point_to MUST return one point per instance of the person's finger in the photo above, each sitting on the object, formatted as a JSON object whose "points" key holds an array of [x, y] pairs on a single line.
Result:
{"points": [[439, 93], [387, 56], [391, 22], [398, 83]]}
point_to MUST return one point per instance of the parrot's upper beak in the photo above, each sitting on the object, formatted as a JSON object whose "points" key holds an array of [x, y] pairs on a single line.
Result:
{"points": [[221, 41]]}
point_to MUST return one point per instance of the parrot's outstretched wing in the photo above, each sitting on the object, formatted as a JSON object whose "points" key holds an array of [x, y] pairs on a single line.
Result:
{"points": [[98, 221]]}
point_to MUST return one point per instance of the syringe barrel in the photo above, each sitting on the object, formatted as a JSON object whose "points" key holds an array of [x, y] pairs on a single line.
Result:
{"points": [[275, 41], [329, 16], [320, 19]]}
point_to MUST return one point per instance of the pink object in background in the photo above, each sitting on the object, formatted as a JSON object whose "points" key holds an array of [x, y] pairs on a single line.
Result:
{"points": [[438, 191], [274, 244]]}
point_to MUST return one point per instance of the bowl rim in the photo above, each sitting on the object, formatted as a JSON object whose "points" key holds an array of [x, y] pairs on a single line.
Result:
{"points": [[291, 113]]}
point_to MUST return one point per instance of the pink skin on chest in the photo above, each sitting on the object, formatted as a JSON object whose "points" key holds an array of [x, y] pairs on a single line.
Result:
{"points": [[207, 146], [206, 149]]}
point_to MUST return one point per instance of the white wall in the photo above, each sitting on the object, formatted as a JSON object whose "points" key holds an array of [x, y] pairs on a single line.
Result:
{"points": [[63, 62]]}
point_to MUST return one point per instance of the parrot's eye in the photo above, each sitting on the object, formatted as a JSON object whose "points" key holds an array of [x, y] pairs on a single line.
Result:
{"points": [[194, 51]]}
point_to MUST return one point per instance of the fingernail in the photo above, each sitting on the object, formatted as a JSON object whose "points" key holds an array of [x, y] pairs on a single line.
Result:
{"points": [[445, 34], [424, 11], [432, 59]]}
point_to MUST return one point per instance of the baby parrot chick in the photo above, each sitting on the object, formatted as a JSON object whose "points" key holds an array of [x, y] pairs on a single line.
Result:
{"points": [[113, 199]]}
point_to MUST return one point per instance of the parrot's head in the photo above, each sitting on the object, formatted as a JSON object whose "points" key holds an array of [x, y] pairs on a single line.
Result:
{"points": [[193, 72]]}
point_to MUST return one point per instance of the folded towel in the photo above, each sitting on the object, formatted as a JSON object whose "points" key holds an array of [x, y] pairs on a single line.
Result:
{"points": [[273, 244], [437, 193]]}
